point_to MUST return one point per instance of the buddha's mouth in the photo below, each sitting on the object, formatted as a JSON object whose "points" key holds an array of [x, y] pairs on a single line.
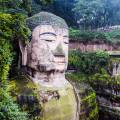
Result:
{"points": [[59, 60]]}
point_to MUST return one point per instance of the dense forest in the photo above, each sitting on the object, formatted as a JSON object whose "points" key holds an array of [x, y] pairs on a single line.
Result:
{"points": [[78, 13], [89, 21]]}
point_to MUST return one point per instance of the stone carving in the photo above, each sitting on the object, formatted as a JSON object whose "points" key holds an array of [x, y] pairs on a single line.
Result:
{"points": [[45, 59], [116, 69]]}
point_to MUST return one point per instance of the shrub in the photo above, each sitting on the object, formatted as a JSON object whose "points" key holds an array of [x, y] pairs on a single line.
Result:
{"points": [[8, 109], [88, 63], [95, 36]]}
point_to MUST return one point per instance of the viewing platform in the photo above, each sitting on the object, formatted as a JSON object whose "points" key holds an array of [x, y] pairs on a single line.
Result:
{"points": [[114, 53]]}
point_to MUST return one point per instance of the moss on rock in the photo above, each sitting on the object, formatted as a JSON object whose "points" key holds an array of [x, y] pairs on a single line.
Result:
{"points": [[63, 108], [25, 93]]}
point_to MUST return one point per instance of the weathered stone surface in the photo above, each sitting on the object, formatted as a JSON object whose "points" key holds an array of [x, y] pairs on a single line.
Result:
{"points": [[92, 46], [24, 92], [59, 104]]}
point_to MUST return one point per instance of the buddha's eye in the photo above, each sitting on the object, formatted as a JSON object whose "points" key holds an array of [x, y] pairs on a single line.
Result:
{"points": [[48, 40], [65, 39], [66, 42]]}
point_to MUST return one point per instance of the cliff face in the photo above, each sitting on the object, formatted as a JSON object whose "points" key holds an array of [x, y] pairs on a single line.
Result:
{"points": [[93, 46]]}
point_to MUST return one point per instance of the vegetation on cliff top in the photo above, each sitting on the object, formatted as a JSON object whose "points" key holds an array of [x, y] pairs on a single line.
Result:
{"points": [[111, 37]]}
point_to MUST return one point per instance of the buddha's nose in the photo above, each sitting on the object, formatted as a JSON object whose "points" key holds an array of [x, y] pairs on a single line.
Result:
{"points": [[59, 51]]}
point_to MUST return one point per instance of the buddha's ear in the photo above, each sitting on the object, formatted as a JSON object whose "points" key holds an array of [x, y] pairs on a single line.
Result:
{"points": [[21, 46], [23, 50]]}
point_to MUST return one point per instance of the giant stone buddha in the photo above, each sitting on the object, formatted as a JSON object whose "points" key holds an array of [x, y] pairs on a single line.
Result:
{"points": [[45, 59]]}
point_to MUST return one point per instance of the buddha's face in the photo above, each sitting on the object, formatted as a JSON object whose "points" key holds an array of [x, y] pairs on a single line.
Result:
{"points": [[55, 43]]}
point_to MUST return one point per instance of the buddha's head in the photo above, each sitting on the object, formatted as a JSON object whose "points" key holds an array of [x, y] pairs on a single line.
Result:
{"points": [[49, 42]]}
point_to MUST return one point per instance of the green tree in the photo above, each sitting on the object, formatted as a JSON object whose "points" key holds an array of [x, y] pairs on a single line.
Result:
{"points": [[64, 8], [10, 6], [87, 11], [97, 13], [21, 6]]}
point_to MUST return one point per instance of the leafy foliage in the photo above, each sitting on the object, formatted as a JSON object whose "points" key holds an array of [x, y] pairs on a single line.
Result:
{"points": [[86, 36], [8, 109], [8, 34], [95, 36], [88, 63], [13, 27], [11, 6], [63, 8], [5, 59]]}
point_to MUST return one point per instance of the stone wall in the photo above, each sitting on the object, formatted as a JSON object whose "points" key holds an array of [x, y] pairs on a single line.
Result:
{"points": [[76, 45]]}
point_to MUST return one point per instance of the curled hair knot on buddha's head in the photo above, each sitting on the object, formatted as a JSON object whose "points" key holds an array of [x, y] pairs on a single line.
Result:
{"points": [[46, 18]]}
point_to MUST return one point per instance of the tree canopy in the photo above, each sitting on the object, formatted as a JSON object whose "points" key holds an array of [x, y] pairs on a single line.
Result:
{"points": [[97, 13]]}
